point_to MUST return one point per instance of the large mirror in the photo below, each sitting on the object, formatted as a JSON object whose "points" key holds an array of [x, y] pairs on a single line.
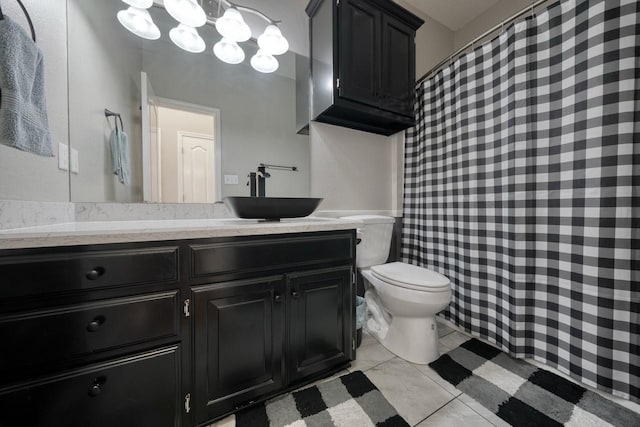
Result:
{"points": [[195, 126]]}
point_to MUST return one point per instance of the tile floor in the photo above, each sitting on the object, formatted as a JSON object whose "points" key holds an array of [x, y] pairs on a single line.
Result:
{"points": [[417, 392]]}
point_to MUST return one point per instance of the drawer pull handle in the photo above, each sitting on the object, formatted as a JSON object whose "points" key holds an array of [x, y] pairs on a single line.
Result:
{"points": [[95, 273], [94, 325], [96, 388]]}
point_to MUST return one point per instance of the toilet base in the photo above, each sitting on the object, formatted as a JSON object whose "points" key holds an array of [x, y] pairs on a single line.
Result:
{"points": [[414, 339]]}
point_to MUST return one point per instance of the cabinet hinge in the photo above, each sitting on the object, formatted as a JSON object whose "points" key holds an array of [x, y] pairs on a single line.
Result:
{"points": [[338, 83], [187, 303], [353, 343], [187, 403]]}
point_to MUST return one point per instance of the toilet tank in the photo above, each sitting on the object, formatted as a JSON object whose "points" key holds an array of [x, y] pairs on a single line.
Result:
{"points": [[376, 239]]}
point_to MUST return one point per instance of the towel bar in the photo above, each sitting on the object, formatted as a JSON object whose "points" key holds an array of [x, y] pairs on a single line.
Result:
{"points": [[26, 13]]}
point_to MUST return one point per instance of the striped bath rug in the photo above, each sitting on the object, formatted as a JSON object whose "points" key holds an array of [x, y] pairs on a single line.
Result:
{"points": [[349, 401], [524, 395]]}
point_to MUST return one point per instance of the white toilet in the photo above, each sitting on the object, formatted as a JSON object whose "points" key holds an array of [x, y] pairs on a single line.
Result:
{"points": [[410, 296]]}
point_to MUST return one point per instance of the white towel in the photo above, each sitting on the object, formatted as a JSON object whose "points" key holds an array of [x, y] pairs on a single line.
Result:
{"points": [[23, 108]]}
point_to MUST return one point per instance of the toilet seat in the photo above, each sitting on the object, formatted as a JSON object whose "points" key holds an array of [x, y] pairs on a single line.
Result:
{"points": [[411, 277]]}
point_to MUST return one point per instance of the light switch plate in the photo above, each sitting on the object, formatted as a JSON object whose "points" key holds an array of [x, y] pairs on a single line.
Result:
{"points": [[75, 161], [231, 179], [63, 156]]}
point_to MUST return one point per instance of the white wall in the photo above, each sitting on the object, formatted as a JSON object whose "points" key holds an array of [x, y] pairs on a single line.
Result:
{"points": [[26, 176], [350, 169], [104, 68]]}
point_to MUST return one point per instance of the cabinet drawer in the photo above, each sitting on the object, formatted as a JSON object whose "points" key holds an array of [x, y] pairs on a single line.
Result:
{"points": [[137, 391], [269, 254], [40, 273], [73, 331]]}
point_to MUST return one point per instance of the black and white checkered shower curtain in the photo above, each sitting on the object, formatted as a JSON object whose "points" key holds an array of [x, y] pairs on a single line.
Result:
{"points": [[522, 185]]}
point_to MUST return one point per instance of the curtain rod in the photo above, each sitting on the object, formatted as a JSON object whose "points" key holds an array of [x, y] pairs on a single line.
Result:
{"points": [[458, 52]]}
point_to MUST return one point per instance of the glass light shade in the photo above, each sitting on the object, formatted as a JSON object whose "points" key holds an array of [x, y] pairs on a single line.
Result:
{"points": [[139, 22], [140, 4], [231, 26], [264, 62], [272, 41], [228, 51], [187, 38], [187, 12]]}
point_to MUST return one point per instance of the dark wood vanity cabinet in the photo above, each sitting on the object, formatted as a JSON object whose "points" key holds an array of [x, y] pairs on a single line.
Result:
{"points": [[270, 314], [238, 344], [91, 336], [140, 390], [190, 332], [319, 321], [365, 50]]}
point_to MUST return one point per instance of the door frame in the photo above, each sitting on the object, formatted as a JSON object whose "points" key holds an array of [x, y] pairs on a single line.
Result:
{"points": [[156, 170], [180, 135], [217, 142]]}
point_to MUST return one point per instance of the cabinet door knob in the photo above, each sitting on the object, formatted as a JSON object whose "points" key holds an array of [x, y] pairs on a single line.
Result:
{"points": [[95, 273], [277, 298], [295, 293], [96, 388], [94, 325]]}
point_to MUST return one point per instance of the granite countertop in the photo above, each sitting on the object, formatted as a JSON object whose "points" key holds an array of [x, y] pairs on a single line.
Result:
{"points": [[98, 232]]}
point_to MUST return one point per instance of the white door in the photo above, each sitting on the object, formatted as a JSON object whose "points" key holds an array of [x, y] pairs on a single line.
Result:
{"points": [[151, 155], [196, 174]]}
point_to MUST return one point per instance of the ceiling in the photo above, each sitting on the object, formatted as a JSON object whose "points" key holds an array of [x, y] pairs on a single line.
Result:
{"points": [[454, 14]]}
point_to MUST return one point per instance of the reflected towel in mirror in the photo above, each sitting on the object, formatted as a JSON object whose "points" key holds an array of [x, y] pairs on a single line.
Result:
{"points": [[119, 148]]}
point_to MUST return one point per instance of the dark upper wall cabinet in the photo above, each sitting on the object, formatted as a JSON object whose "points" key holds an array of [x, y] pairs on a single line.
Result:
{"points": [[363, 64]]}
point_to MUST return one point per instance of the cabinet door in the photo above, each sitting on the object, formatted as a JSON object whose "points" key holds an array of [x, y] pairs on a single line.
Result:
{"points": [[139, 391], [359, 51], [320, 320], [238, 342], [398, 67]]}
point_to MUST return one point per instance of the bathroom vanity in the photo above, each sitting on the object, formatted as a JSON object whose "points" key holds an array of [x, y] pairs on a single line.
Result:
{"points": [[131, 326]]}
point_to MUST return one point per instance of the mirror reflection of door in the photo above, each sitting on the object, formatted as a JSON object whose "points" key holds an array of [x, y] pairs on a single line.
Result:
{"points": [[183, 153], [151, 152], [196, 174]]}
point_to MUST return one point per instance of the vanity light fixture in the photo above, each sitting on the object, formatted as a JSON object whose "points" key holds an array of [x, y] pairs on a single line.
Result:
{"points": [[187, 12], [140, 4], [231, 26], [139, 22], [272, 41], [187, 38], [228, 51], [264, 62]]}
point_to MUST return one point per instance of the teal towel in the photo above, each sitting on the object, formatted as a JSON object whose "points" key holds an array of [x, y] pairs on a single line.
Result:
{"points": [[23, 108], [119, 148], [115, 152], [125, 169]]}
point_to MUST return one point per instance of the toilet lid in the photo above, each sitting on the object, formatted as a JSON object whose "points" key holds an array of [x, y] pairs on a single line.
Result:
{"points": [[410, 276]]}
